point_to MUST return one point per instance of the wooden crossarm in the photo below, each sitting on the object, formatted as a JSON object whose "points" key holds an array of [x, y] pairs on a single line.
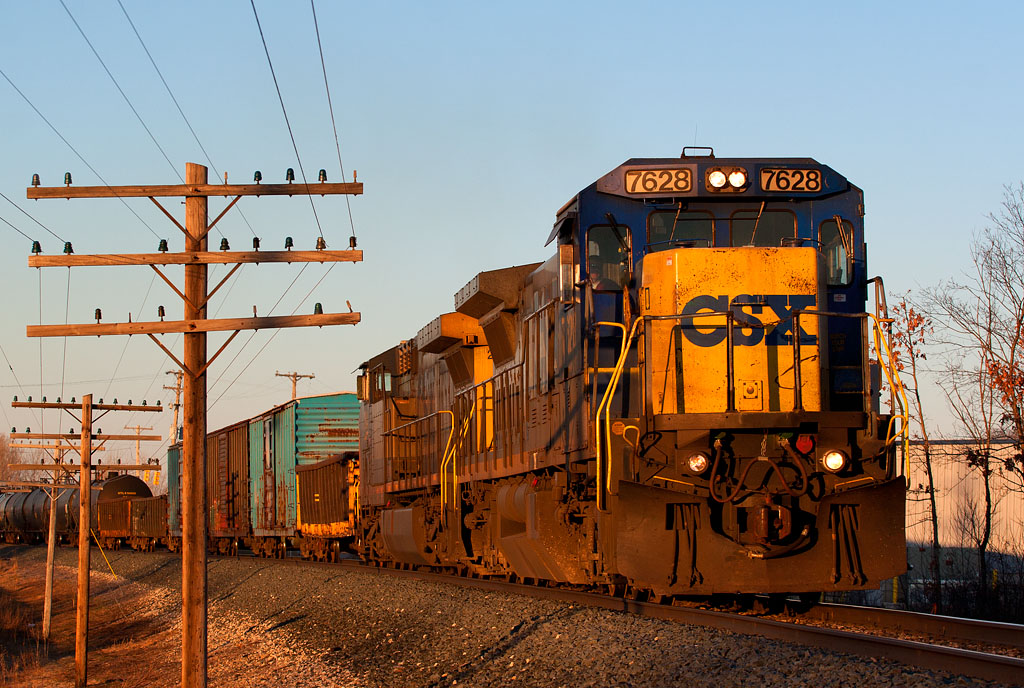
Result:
{"points": [[187, 326], [168, 190], [197, 258]]}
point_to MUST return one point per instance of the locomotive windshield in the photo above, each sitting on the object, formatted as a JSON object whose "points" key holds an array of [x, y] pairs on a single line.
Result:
{"points": [[667, 228], [765, 228]]}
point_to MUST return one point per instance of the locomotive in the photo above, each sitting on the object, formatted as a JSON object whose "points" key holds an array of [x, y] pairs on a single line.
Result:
{"points": [[684, 399]]}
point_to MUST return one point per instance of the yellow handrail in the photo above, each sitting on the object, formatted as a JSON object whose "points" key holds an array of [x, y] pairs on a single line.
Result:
{"points": [[896, 384], [444, 456], [609, 393]]}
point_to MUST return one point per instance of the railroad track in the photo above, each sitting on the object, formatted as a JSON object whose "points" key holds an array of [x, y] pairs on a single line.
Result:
{"points": [[874, 637]]}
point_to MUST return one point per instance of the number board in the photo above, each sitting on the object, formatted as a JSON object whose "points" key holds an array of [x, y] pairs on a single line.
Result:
{"points": [[787, 180], [653, 181]]}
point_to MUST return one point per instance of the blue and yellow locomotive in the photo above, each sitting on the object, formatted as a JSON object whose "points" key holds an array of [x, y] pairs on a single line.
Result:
{"points": [[682, 400]]}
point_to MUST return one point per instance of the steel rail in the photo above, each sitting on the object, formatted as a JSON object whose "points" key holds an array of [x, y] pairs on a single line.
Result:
{"points": [[946, 627], [959, 661]]}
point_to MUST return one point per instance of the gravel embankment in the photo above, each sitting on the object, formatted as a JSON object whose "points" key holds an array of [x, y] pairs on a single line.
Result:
{"points": [[353, 628]]}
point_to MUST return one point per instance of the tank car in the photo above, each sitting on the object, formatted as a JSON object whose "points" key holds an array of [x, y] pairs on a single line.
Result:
{"points": [[25, 516], [681, 400]]}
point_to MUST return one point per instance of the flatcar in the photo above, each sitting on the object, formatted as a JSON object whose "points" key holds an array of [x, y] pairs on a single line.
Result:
{"points": [[284, 479], [682, 400]]}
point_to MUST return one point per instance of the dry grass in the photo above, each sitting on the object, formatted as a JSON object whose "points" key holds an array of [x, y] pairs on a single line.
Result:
{"points": [[135, 638]]}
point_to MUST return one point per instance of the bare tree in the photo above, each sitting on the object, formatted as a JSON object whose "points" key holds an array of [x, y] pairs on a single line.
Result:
{"points": [[8, 455], [910, 331], [981, 319]]}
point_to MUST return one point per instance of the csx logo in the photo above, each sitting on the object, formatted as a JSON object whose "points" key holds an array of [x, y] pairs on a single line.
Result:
{"points": [[749, 329]]}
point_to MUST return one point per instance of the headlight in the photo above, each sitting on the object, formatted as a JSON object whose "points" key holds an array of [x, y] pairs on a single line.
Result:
{"points": [[737, 179], [834, 460], [698, 463], [716, 179]]}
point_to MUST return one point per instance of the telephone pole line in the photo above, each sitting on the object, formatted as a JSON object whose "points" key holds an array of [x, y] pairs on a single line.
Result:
{"points": [[294, 378], [84, 507], [195, 325]]}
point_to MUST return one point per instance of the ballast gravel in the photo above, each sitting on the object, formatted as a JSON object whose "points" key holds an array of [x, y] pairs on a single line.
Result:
{"points": [[367, 628]]}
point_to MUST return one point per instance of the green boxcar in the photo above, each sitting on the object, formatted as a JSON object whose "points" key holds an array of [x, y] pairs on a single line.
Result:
{"points": [[301, 432]]}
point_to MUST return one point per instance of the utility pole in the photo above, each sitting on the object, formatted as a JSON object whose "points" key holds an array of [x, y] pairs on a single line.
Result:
{"points": [[138, 442], [84, 525], [84, 507], [51, 535], [294, 378], [178, 374], [195, 326]]}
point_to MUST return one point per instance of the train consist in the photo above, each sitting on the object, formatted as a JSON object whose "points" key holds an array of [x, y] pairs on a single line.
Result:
{"points": [[285, 478], [25, 516], [682, 400], [679, 401]]}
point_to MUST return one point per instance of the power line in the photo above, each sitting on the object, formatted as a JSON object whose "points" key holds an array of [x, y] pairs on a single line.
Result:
{"points": [[128, 339], [330, 106], [121, 91], [75, 151], [26, 214], [177, 105], [15, 375], [64, 361], [271, 338], [17, 230], [302, 171]]}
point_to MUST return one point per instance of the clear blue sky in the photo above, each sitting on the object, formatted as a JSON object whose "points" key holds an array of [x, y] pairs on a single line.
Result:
{"points": [[469, 124]]}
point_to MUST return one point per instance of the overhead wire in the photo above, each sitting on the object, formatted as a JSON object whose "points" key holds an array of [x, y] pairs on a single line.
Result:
{"points": [[280, 99], [26, 214], [177, 105], [272, 336], [16, 229], [10, 367], [64, 361], [330, 106], [128, 339], [121, 91], [77, 154]]}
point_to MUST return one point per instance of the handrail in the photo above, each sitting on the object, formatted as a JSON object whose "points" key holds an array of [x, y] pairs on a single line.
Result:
{"points": [[609, 393], [392, 431], [449, 458], [892, 376], [896, 385]]}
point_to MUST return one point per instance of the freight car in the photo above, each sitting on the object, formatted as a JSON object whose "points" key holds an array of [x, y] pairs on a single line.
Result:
{"points": [[25, 516], [285, 478], [681, 400], [140, 522]]}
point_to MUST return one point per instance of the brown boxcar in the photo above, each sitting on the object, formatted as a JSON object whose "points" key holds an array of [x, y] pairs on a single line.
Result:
{"points": [[114, 521], [327, 504], [149, 522], [227, 486]]}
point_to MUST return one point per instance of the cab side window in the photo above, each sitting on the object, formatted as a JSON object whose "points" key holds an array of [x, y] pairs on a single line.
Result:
{"points": [[608, 257], [837, 246]]}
